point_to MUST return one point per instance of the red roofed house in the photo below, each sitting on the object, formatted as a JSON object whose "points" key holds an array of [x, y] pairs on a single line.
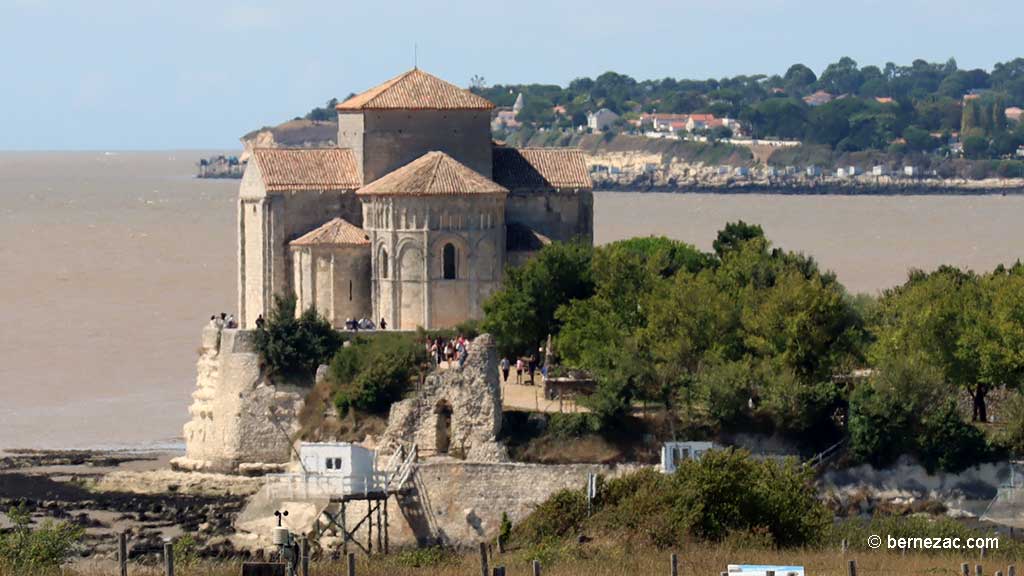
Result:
{"points": [[818, 98]]}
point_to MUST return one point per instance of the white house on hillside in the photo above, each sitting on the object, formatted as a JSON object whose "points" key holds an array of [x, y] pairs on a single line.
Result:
{"points": [[598, 121]]}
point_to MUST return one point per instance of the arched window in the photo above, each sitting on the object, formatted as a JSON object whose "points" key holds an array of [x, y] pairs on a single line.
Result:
{"points": [[448, 260], [383, 263]]}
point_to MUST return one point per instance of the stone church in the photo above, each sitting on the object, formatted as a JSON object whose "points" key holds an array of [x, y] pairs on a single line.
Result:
{"points": [[412, 218]]}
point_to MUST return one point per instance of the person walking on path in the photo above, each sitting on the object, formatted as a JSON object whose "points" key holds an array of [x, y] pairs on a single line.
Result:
{"points": [[504, 370], [519, 370]]}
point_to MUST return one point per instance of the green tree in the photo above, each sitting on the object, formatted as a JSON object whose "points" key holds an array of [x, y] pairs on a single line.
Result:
{"points": [[975, 145], [970, 327], [733, 235], [293, 347], [522, 314], [918, 139], [842, 77], [885, 411], [798, 78]]}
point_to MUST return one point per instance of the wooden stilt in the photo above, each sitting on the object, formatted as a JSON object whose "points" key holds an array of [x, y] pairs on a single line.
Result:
{"points": [[369, 528], [380, 530], [344, 531], [386, 544]]}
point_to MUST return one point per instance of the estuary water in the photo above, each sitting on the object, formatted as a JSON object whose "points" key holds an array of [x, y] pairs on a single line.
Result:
{"points": [[111, 263]]}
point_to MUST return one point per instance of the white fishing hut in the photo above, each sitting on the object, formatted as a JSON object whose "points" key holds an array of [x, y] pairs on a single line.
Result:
{"points": [[338, 459], [675, 453]]}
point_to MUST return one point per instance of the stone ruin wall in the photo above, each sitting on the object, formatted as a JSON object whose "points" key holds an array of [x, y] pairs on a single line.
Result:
{"points": [[469, 398], [231, 429], [460, 503]]}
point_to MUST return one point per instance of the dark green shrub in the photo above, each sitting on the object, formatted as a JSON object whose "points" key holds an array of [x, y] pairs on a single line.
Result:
{"points": [[426, 557], [292, 348], [720, 496], [948, 443], [373, 372], [566, 426], [186, 550], [505, 529], [879, 427], [28, 550], [559, 516]]}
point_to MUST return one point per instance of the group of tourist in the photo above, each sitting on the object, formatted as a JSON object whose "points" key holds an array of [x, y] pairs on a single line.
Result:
{"points": [[455, 350], [526, 364], [224, 321], [354, 325]]}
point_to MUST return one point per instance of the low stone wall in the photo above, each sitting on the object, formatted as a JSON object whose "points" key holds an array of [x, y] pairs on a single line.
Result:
{"points": [[449, 501], [461, 503]]}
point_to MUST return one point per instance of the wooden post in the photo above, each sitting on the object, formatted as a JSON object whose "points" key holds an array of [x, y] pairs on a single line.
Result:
{"points": [[977, 570], [304, 557], [352, 564], [369, 527], [499, 571], [169, 558], [380, 531], [769, 573], [674, 564], [982, 553], [851, 568], [999, 573], [386, 546], [344, 530], [484, 569], [122, 553], [1011, 570], [965, 569], [499, 544], [846, 546], [536, 568]]}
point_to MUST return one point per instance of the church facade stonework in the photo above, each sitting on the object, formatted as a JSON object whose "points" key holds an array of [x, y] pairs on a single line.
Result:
{"points": [[412, 219]]}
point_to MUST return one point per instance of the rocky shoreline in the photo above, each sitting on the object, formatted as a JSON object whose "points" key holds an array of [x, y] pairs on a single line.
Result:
{"points": [[938, 188], [110, 492]]}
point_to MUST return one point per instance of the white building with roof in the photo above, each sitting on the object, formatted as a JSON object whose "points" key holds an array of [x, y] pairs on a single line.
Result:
{"points": [[601, 119]]}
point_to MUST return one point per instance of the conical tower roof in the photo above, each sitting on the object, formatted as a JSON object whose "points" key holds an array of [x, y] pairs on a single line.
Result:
{"points": [[433, 174], [416, 90]]}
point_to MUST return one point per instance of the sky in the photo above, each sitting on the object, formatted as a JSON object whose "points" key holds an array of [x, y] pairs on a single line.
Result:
{"points": [[198, 74]]}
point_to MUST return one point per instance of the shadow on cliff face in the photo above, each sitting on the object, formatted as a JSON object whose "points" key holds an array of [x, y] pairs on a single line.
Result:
{"points": [[572, 438]]}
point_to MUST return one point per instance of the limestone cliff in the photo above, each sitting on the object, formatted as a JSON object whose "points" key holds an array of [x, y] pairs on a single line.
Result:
{"points": [[298, 133], [240, 421]]}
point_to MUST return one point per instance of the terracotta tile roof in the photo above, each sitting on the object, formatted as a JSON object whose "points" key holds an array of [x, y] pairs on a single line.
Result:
{"points": [[285, 169], [536, 168], [522, 238], [416, 90], [337, 232], [433, 174]]}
